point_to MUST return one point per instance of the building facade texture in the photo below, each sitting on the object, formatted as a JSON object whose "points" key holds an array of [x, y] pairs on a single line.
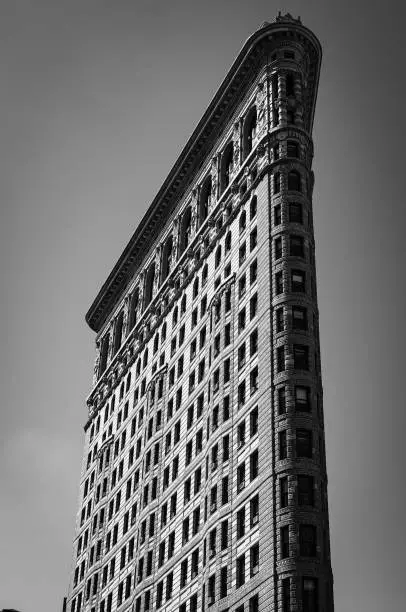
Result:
{"points": [[204, 476]]}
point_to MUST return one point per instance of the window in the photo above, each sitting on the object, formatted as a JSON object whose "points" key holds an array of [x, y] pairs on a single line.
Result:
{"points": [[242, 285], [304, 440], [293, 148], [275, 151], [226, 166], [240, 577], [241, 523], [253, 603], [253, 207], [249, 131], [254, 511], [280, 359], [310, 601], [295, 212], [253, 239], [300, 357], [284, 499], [278, 247], [149, 285], [285, 542], [308, 540], [167, 258], [241, 320], [224, 535], [205, 199], [298, 278], [277, 215], [254, 421], [242, 253], [254, 560], [294, 182], [253, 306], [253, 271], [305, 487], [242, 222], [279, 320], [302, 399], [279, 283], [254, 465], [286, 595], [241, 394], [211, 590], [212, 543], [223, 582], [276, 182], [183, 573], [194, 569], [283, 450], [218, 257], [296, 246], [299, 318], [240, 477]]}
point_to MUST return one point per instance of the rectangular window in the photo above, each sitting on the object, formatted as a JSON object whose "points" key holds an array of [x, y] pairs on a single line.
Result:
{"points": [[241, 523], [281, 400], [300, 357], [308, 540], [242, 253], [280, 359], [253, 271], [304, 441], [253, 306], [277, 218], [211, 590], [305, 489], [223, 582], [254, 560], [278, 247], [279, 319], [295, 212], [285, 542], [310, 598], [279, 283], [240, 577], [298, 281], [296, 248], [284, 499], [283, 450], [240, 477], [286, 595], [299, 318], [254, 465], [254, 511], [224, 535], [302, 399]]}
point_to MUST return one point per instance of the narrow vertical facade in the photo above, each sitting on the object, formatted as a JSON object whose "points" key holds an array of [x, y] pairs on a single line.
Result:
{"points": [[204, 479]]}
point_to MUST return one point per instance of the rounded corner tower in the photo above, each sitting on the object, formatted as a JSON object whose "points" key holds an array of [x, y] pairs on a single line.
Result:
{"points": [[204, 480]]}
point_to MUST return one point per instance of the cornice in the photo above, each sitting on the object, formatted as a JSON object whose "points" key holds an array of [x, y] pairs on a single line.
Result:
{"points": [[244, 69]]}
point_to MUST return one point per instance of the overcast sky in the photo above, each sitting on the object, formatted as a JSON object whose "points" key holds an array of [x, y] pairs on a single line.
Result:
{"points": [[98, 98]]}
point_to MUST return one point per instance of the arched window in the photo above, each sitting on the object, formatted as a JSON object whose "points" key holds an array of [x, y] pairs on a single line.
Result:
{"points": [[294, 183], [149, 285], [166, 258], [196, 288], [218, 256], [118, 332], [204, 200], [249, 130], [134, 308], [227, 243], [242, 222], [104, 352], [226, 167], [185, 230]]}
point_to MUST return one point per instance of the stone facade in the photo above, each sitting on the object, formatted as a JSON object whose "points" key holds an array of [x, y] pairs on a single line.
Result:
{"points": [[204, 477]]}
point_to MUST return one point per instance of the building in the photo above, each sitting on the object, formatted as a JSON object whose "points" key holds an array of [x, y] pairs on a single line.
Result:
{"points": [[204, 476]]}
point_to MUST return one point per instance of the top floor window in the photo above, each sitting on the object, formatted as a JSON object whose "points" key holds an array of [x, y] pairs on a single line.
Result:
{"points": [[226, 167], [166, 258], [185, 228], [149, 285], [249, 131], [204, 200]]}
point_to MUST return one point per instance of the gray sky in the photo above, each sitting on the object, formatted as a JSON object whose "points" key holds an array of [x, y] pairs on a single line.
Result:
{"points": [[98, 98]]}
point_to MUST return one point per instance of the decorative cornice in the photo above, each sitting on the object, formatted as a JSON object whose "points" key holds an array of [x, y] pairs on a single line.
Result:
{"points": [[242, 72]]}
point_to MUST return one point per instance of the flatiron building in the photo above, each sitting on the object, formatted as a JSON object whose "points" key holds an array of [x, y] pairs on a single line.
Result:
{"points": [[204, 481]]}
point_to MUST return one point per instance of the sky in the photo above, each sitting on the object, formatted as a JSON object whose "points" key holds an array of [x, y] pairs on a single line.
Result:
{"points": [[98, 99]]}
